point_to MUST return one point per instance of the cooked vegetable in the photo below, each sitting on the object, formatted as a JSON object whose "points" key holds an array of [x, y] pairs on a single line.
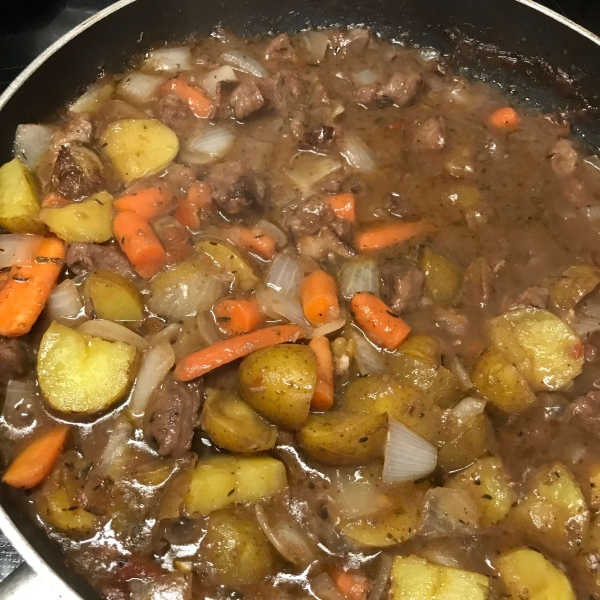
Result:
{"points": [[148, 202], [254, 240], [357, 154], [488, 484], [18, 249], [342, 206], [93, 99], [245, 63], [113, 297], [379, 237], [139, 147], [442, 278], [235, 316], [31, 141], [208, 145], [19, 206], [197, 102], [113, 332], [230, 261], [527, 574], [354, 586], [337, 438], [64, 303], [414, 578], [170, 60], [544, 350], [284, 274], [504, 118], [235, 426], [594, 481], [319, 298], [359, 275], [471, 441], [82, 374], [307, 169], [35, 461], [139, 87], [500, 383], [28, 287], [573, 285], [323, 396], [377, 320], [197, 200]]}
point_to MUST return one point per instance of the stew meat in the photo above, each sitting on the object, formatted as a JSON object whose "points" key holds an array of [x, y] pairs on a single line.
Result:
{"points": [[299, 317]]}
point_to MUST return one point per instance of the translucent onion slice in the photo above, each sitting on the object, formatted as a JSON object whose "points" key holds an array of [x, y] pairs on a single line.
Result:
{"points": [[357, 154], [384, 572], [113, 332], [306, 169], [468, 408], [113, 460], [242, 62], [365, 77], [276, 305], [316, 43], [328, 328], [407, 455], [212, 80], [457, 366], [139, 87], [170, 60], [18, 249], [274, 231], [31, 141], [64, 304], [210, 144], [93, 99], [360, 275], [370, 360], [284, 275]]}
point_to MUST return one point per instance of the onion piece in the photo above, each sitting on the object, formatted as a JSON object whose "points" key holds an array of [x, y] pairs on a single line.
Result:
{"points": [[18, 249], [316, 43], [156, 363], [274, 231], [113, 462], [370, 360], [31, 141], [457, 366], [113, 332], [211, 82], [365, 77], [306, 169], [211, 143], [322, 587], [357, 154], [242, 62], [19, 404], [170, 60], [468, 408], [584, 326], [93, 99], [407, 455], [359, 275], [384, 572], [276, 305], [139, 87], [328, 328], [284, 275], [168, 334], [449, 512], [64, 304]]}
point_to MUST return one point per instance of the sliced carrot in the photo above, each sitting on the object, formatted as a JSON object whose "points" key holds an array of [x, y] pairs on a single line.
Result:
{"points": [[199, 198], [147, 202], [198, 102], [226, 351], [384, 236], [379, 323], [199, 195], [140, 244], [253, 240], [319, 298], [504, 118], [323, 396], [24, 295], [342, 206], [352, 584], [55, 200], [236, 316], [33, 464]]}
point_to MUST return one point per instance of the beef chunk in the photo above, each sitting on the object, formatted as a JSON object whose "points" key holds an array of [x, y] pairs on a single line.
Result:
{"points": [[430, 135], [172, 415], [78, 172], [309, 218], [402, 88], [400, 207], [77, 131], [317, 138], [82, 258], [564, 158], [451, 321], [585, 412], [324, 245], [235, 187], [403, 285], [280, 47], [13, 358], [284, 90], [180, 177], [173, 112], [247, 99], [534, 296], [366, 95]]}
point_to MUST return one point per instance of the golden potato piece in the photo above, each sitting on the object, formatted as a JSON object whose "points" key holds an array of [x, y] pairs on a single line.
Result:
{"points": [[139, 147], [59, 510], [230, 261], [471, 442], [442, 277], [573, 285], [113, 297], [87, 221], [78, 373], [544, 349], [594, 481], [19, 206], [527, 574]]}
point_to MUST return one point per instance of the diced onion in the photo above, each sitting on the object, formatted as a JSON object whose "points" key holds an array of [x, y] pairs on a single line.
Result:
{"points": [[370, 360], [64, 304], [284, 275], [93, 99], [242, 62], [113, 332], [458, 368], [18, 403], [353, 496], [18, 249], [207, 328], [139, 87], [113, 460], [212, 80], [306, 169], [211, 143], [276, 305], [268, 228], [407, 455], [357, 154], [328, 328], [468, 408], [384, 572], [168, 334], [31, 141], [157, 362], [584, 326], [360, 275], [170, 60], [322, 587], [365, 77], [449, 512], [316, 44]]}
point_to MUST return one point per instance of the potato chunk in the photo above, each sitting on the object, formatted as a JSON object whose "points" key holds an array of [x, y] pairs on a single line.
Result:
{"points": [[113, 297], [19, 206], [442, 277], [139, 147], [230, 261], [573, 285], [527, 574], [87, 221], [469, 441], [545, 350], [78, 373], [414, 578]]}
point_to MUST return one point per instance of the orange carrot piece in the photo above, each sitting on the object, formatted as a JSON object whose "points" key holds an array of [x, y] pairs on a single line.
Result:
{"points": [[351, 584], [199, 195], [55, 200], [379, 323], [199, 198], [323, 396], [147, 202], [504, 118], [139, 243], [236, 316], [24, 295], [33, 464], [197, 101], [254, 240], [342, 206], [384, 236], [226, 351], [319, 298]]}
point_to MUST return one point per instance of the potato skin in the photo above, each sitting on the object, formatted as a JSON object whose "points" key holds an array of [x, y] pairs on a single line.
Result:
{"points": [[442, 278], [471, 442], [279, 383], [113, 297], [19, 206]]}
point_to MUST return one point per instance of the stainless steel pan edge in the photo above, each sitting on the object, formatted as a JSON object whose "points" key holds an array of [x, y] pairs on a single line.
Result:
{"points": [[517, 27]]}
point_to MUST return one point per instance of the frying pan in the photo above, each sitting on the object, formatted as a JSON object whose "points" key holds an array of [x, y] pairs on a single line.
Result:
{"points": [[527, 49]]}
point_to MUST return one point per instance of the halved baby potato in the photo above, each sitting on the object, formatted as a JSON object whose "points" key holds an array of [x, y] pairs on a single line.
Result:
{"points": [[19, 206], [113, 297], [81, 374], [230, 261], [573, 285]]}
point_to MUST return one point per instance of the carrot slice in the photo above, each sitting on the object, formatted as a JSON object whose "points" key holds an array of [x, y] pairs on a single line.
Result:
{"points": [[198, 103], [147, 202], [25, 293], [140, 244], [504, 118], [236, 316], [380, 324], [226, 351], [342, 206], [353, 585], [384, 236], [34, 463], [253, 240], [323, 396], [199, 198], [55, 200], [319, 298]]}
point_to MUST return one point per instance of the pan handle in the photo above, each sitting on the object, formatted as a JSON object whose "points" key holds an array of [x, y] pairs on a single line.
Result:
{"points": [[23, 584]]}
